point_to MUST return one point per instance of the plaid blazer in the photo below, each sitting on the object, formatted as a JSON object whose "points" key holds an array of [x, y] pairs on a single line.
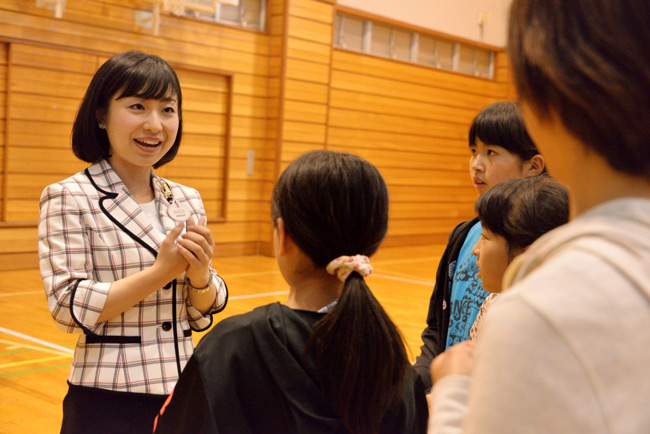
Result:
{"points": [[92, 232]]}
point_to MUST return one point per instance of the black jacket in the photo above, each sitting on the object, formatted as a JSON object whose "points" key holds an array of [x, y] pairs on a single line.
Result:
{"points": [[434, 335], [248, 375]]}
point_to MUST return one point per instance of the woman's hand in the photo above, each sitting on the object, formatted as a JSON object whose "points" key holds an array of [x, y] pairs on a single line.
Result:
{"points": [[170, 261], [128, 291], [197, 246], [457, 360]]}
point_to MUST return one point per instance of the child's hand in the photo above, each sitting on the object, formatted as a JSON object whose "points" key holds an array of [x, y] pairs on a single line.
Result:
{"points": [[457, 360]]}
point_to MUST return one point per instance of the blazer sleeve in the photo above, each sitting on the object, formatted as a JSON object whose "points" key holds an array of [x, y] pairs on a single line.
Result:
{"points": [[66, 262], [198, 321]]}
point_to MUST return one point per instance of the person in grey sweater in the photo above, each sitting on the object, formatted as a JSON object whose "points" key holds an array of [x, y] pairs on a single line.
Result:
{"points": [[566, 349]]}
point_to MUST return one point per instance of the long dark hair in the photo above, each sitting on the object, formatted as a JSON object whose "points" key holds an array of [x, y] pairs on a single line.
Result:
{"points": [[522, 210], [131, 73], [335, 204]]}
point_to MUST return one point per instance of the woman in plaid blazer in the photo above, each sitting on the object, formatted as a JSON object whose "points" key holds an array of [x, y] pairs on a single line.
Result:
{"points": [[124, 254]]}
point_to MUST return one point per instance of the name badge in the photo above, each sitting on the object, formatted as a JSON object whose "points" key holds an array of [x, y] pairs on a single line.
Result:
{"points": [[178, 212]]}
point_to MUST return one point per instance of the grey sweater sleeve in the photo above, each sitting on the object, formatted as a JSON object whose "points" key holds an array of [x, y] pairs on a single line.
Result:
{"points": [[527, 379]]}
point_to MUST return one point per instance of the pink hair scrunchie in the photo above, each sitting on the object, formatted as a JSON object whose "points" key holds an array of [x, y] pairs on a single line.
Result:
{"points": [[343, 266]]}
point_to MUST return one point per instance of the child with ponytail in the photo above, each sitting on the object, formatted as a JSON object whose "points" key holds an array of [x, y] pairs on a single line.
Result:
{"points": [[329, 360]]}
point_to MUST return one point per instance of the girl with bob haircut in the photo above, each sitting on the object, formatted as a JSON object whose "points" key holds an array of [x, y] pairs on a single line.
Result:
{"points": [[567, 347], [499, 149], [330, 360], [125, 254], [513, 215], [500, 124]]}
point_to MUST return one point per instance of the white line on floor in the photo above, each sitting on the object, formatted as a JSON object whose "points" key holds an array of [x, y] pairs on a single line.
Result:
{"points": [[402, 279], [38, 341], [264, 294]]}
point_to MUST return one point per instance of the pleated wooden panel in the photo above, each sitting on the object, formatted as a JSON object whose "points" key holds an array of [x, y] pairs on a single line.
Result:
{"points": [[412, 123], [46, 90], [3, 119], [202, 158], [267, 160], [307, 76], [197, 50]]}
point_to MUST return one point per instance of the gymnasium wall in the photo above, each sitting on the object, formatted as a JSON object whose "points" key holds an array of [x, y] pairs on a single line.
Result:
{"points": [[253, 101], [478, 20]]}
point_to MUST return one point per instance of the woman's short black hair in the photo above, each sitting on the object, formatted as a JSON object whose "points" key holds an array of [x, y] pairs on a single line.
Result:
{"points": [[132, 73], [587, 62], [522, 210], [501, 124]]}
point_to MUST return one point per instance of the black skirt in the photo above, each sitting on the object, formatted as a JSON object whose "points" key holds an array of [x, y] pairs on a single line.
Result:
{"points": [[98, 411]]}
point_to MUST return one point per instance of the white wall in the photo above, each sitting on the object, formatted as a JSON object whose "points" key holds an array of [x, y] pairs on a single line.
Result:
{"points": [[454, 17]]}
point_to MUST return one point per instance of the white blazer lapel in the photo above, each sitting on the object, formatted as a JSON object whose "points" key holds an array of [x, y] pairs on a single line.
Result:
{"points": [[121, 208]]}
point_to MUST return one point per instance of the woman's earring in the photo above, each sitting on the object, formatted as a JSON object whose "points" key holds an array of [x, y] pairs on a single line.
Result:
{"points": [[101, 125]]}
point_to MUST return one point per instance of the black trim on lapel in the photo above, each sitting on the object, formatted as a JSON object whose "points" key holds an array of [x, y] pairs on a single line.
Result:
{"points": [[111, 195], [176, 349], [95, 338]]}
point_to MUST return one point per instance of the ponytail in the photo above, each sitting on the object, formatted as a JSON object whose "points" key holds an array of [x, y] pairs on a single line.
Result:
{"points": [[334, 204], [361, 358]]}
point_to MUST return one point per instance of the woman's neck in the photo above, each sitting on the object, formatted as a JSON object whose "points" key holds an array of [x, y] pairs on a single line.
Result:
{"points": [[136, 179]]}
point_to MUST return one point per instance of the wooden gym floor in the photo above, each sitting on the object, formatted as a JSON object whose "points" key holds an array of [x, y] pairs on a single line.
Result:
{"points": [[35, 356]]}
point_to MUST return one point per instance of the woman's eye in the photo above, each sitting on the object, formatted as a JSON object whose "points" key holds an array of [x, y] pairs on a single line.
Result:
{"points": [[472, 151], [169, 110], [491, 152], [137, 106]]}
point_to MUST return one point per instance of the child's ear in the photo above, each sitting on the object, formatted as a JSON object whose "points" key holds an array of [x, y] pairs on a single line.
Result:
{"points": [[284, 243], [534, 166]]}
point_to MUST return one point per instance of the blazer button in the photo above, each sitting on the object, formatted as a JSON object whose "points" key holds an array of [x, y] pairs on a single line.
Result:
{"points": [[167, 326]]}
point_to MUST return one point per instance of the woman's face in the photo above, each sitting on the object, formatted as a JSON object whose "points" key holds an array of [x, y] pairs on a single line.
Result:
{"points": [[493, 259], [140, 131]]}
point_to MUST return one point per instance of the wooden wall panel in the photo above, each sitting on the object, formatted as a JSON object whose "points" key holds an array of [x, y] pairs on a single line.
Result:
{"points": [[224, 74], [503, 77], [3, 120], [412, 123], [200, 161], [277, 25], [307, 76], [302, 30], [39, 113]]}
